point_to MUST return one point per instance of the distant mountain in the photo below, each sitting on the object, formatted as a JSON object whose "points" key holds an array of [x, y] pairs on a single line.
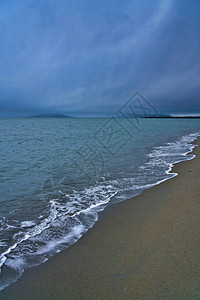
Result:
{"points": [[51, 116]]}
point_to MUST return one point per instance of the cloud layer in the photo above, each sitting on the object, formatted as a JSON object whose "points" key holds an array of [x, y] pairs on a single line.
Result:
{"points": [[86, 57]]}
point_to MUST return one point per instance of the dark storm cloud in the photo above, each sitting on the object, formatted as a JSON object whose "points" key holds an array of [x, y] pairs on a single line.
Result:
{"points": [[87, 57]]}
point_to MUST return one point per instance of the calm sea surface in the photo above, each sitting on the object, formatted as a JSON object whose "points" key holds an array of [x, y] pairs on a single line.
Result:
{"points": [[57, 174]]}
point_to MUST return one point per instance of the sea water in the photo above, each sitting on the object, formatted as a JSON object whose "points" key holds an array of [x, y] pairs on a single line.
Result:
{"points": [[56, 175]]}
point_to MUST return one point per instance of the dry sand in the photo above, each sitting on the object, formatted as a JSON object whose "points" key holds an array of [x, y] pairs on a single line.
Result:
{"points": [[147, 247]]}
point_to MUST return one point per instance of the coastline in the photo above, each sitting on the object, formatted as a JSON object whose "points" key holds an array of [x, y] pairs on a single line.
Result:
{"points": [[146, 247]]}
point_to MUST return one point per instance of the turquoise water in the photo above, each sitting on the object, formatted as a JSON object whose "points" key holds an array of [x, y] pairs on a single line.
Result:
{"points": [[56, 175]]}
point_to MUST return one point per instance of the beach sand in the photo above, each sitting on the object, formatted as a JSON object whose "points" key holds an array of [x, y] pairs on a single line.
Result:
{"points": [[147, 247]]}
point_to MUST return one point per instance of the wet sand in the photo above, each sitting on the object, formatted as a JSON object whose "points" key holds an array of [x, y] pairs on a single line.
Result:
{"points": [[147, 247]]}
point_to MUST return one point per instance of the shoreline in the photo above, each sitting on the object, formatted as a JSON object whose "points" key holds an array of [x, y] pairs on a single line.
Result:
{"points": [[131, 252]]}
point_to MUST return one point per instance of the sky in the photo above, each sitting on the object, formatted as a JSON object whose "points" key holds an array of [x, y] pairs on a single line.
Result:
{"points": [[86, 57]]}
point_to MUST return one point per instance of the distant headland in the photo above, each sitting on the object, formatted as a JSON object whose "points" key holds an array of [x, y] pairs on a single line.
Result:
{"points": [[51, 116], [165, 116]]}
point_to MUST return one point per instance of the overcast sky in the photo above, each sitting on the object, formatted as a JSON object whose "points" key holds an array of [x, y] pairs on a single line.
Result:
{"points": [[87, 57]]}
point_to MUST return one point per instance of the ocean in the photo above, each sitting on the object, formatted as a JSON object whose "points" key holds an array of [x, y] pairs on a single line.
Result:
{"points": [[56, 175]]}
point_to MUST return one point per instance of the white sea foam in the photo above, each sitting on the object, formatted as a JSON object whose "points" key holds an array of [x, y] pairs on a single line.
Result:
{"points": [[73, 236], [26, 224]]}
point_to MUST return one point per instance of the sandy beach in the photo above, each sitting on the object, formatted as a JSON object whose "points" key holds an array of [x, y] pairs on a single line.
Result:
{"points": [[144, 248]]}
